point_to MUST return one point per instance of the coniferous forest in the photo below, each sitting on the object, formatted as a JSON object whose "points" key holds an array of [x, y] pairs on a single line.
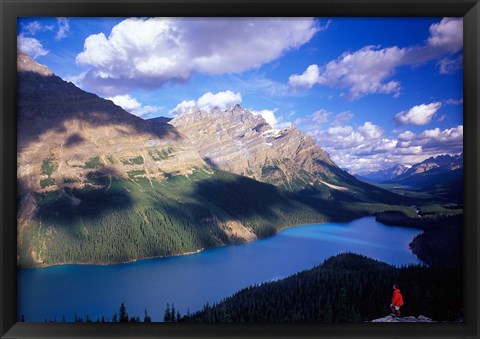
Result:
{"points": [[344, 288]]}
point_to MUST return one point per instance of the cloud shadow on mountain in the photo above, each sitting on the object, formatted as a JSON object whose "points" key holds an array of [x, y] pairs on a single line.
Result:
{"points": [[45, 103]]}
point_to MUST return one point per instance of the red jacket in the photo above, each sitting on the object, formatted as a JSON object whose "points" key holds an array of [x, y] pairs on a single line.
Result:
{"points": [[397, 299]]}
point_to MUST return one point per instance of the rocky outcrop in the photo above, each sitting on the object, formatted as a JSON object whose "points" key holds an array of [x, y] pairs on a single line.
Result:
{"points": [[409, 319], [238, 141]]}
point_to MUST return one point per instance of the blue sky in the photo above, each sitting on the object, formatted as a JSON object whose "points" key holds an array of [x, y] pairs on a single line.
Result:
{"points": [[372, 92]]}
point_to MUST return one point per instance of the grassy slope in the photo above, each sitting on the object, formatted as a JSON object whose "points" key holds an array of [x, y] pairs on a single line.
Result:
{"points": [[129, 219]]}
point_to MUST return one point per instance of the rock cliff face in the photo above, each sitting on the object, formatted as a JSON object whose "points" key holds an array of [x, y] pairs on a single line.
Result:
{"points": [[65, 134], [68, 137], [238, 141]]}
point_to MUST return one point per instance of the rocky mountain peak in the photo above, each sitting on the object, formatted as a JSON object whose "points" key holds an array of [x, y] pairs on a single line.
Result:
{"points": [[27, 64], [236, 140]]}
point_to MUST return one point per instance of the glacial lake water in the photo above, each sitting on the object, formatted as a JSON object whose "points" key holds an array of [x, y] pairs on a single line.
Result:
{"points": [[191, 281]]}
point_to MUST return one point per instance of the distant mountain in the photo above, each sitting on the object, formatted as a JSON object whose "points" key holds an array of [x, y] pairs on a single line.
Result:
{"points": [[441, 176], [99, 185], [434, 166], [434, 170], [237, 141], [383, 175]]}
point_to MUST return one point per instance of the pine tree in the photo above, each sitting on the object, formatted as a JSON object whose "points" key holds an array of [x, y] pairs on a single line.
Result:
{"points": [[172, 314], [167, 315], [147, 318], [123, 314]]}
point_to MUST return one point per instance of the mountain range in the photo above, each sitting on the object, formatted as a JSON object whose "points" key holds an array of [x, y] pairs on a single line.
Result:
{"points": [[432, 171], [97, 184]]}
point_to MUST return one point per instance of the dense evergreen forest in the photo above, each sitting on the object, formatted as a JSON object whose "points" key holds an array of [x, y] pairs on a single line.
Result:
{"points": [[345, 288], [114, 220]]}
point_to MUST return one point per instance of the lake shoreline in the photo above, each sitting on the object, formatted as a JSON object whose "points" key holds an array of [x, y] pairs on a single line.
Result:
{"points": [[208, 248]]}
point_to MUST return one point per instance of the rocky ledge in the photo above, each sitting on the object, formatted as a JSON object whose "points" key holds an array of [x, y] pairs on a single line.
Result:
{"points": [[409, 319]]}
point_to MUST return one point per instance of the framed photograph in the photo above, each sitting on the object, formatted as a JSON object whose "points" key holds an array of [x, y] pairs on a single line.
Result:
{"points": [[239, 169]]}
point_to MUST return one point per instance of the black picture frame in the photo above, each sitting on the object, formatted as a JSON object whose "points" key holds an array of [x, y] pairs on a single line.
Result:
{"points": [[11, 9]]}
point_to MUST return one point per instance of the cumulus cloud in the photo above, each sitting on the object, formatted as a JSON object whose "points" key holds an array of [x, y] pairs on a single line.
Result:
{"points": [[447, 34], [152, 51], [131, 105], [369, 70], [184, 106], [366, 147], [418, 115], [406, 136], [307, 79], [31, 46], [370, 130], [63, 28], [208, 101], [268, 115], [360, 154], [221, 100]]}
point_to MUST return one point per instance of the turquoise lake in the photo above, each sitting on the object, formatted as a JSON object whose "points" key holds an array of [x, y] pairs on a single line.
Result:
{"points": [[191, 281]]}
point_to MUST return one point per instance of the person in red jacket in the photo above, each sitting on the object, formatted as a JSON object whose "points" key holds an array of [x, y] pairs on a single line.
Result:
{"points": [[397, 301]]}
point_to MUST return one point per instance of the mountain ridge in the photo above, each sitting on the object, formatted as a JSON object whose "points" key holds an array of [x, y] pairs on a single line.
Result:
{"points": [[440, 164], [97, 184]]}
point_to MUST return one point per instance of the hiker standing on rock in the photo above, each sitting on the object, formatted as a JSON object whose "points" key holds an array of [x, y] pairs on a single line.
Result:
{"points": [[397, 301]]}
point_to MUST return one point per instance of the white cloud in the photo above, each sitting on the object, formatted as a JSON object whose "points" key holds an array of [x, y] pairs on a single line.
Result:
{"points": [[342, 131], [449, 66], [447, 34], [410, 150], [451, 134], [268, 115], [131, 105], [307, 79], [418, 115], [370, 130], [184, 106], [406, 136], [321, 116], [362, 72], [75, 79], [222, 100], [30, 46], [369, 69], [365, 148], [63, 28], [208, 101], [277, 122], [152, 51], [341, 118], [454, 101], [34, 27]]}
